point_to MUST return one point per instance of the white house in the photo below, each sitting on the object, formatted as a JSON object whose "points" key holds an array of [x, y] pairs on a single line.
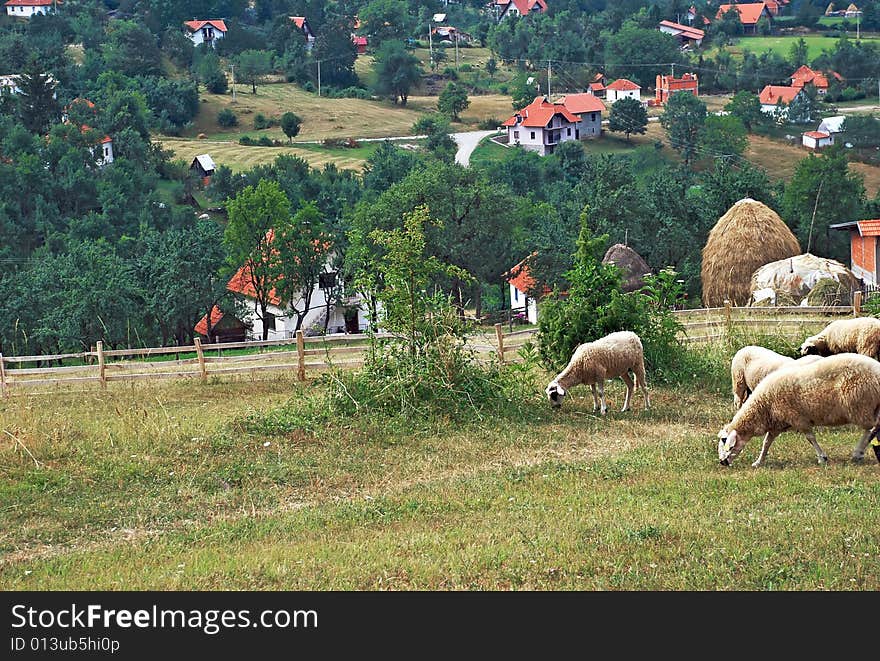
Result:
{"points": [[27, 8], [775, 99], [621, 89], [685, 34], [588, 108], [205, 32], [303, 24], [817, 139], [541, 126], [9, 83], [505, 8], [520, 282], [106, 147]]}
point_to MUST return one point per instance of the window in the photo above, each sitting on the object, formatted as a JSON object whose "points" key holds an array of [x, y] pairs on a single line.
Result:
{"points": [[515, 294], [533, 135], [568, 131], [516, 135], [269, 321], [593, 117], [327, 280]]}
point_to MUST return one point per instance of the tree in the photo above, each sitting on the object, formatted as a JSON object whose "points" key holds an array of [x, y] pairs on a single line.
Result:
{"points": [[523, 89], [683, 120], [438, 56], [290, 124], [803, 107], [209, 72], [336, 51], [302, 249], [491, 67], [226, 118], [453, 100], [730, 23], [628, 115], [253, 65], [397, 71], [438, 140], [132, 50], [798, 53], [862, 130], [254, 216], [384, 20], [747, 107], [724, 136], [633, 53], [37, 106]]}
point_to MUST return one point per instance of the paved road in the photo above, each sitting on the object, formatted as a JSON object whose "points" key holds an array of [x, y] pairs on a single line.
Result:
{"points": [[467, 142]]}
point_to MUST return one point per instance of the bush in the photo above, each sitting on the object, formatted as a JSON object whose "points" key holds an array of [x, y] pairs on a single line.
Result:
{"points": [[489, 124], [262, 122], [247, 141], [227, 118], [466, 68], [309, 87], [451, 73], [266, 141]]}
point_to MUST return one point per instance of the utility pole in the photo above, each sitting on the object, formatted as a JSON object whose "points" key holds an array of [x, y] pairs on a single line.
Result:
{"points": [[456, 50], [430, 47], [548, 79], [319, 77], [233, 83]]}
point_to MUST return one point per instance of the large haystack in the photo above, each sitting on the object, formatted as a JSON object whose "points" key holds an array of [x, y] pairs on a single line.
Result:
{"points": [[631, 265], [745, 238], [803, 280]]}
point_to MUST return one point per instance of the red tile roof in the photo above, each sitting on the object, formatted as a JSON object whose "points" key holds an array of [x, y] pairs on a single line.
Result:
{"points": [[597, 87], [773, 95], [202, 327], [869, 227], [524, 6], [29, 3], [299, 21], [198, 25], [819, 135], [579, 103], [359, 41], [749, 13], [519, 276], [806, 75], [623, 85], [686, 30], [539, 113], [240, 283]]}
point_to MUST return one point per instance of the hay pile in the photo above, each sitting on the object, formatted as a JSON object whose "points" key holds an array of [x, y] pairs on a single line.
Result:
{"points": [[631, 265], [803, 280], [745, 238]]}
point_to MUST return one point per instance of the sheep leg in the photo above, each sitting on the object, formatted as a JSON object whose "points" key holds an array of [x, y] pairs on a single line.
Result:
{"points": [[769, 437], [639, 371], [858, 453], [820, 453], [601, 386], [595, 397], [627, 379]]}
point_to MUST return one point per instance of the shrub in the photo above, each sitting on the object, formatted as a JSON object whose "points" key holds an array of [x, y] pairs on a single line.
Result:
{"points": [[466, 68], [265, 141], [260, 122], [489, 124], [247, 141], [309, 87], [451, 73], [227, 118]]}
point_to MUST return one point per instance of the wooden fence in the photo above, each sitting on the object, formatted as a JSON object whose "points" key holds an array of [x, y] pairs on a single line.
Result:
{"points": [[302, 355]]}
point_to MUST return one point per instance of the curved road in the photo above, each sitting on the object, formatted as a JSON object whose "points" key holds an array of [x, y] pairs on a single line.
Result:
{"points": [[467, 142]]}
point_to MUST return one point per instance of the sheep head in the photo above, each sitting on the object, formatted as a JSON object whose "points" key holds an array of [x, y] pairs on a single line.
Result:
{"points": [[730, 444], [555, 393], [814, 346]]}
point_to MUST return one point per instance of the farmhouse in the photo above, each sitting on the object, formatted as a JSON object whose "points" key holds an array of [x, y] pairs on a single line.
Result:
{"points": [[588, 108], [505, 8], [205, 32], [360, 43], [816, 140], [9, 83], [303, 24], [749, 14], [687, 36], [542, 125], [775, 99], [597, 85], [864, 248], [520, 283], [820, 80], [27, 8], [203, 166], [666, 86], [448, 34], [623, 88]]}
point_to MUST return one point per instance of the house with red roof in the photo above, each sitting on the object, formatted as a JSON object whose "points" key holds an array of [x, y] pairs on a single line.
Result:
{"points": [[775, 99], [623, 88], [302, 23], [505, 8], [864, 244], [27, 8], [749, 14], [687, 36], [816, 140], [360, 43], [819, 79], [588, 108], [666, 86], [541, 126], [597, 85], [520, 283], [205, 32]]}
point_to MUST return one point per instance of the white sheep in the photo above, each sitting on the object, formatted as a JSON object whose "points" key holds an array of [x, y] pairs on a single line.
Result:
{"points": [[859, 335], [838, 390], [612, 356], [752, 363]]}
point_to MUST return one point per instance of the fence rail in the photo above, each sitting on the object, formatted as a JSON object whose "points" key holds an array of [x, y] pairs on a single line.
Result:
{"points": [[302, 354]]}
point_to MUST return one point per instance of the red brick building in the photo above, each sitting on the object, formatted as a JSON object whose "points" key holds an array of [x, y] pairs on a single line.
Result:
{"points": [[666, 86], [864, 246]]}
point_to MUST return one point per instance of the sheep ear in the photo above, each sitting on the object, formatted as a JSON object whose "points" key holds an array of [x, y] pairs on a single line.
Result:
{"points": [[560, 390]]}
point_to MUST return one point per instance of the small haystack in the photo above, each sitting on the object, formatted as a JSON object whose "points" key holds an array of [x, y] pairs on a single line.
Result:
{"points": [[803, 280], [745, 238], [631, 265]]}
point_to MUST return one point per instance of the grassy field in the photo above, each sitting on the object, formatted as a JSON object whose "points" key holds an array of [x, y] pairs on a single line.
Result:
{"points": [[782, 45], [183, 486]]}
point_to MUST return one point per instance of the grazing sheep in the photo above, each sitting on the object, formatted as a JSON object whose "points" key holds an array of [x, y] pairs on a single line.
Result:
{"points": [[839, 390], [614, 355], [751, 364], [859, 335]]}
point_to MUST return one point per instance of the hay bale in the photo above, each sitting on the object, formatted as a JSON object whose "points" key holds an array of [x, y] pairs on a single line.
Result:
{"points": [[631, 264], [829, 291], [745, 238], [794, 281]]}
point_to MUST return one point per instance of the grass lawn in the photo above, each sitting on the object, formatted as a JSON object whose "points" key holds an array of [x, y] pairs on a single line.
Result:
{"points": [[195, 486], [782, 45]]}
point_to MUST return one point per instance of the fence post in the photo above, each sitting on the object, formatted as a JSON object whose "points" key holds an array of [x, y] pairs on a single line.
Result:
{"points": [[3, 377], [857, 304], [301, 355], [101, 374], [201, 355], [727, 318], [499, 336]]}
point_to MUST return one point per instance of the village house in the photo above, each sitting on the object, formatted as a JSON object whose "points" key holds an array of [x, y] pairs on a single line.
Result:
{"points": [[666, 86], [203, 167], [749, 15], [687, 36], [819, 79], [597, 85], [103, 151], [621, 89], [205, 32], [360, 43], [816, 140], [691, 16], [447, 34], [864, 248], [505, 8], [588, 108], [303, 24], [541, 126], [775, 99], [9, 84], [519, 283], [27, 8]]}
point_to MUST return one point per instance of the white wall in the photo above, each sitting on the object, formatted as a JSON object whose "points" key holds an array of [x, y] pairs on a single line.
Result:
{"points": [[518, 300], [27, 12], [614, 95], [198, 37]]}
